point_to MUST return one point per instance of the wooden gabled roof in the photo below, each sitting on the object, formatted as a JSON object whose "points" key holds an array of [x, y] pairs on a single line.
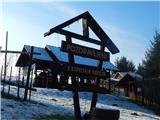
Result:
{"points": [[128, 78], [62, 57], [42, 59], [95, 27], [51, 54]]}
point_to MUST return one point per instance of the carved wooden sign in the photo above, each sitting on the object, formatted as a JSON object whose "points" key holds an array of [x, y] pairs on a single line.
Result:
{"points": [[84, 51], [72, 69], [83, 70]]}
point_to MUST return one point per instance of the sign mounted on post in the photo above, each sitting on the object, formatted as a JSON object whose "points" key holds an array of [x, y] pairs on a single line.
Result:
{"points": [[83, 70], [84, 51], [71, 68]]}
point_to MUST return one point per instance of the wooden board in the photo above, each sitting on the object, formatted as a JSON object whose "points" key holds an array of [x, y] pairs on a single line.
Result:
{"points": [[83, 70], [84, 51]]}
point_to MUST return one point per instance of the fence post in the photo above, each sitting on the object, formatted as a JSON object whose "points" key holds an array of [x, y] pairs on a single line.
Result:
{"points": [[5, 61], [18, 82], [30, 85], [23, 80], [28, 74], [109, 82], [9, 80], [142, 89], [1, 72]]}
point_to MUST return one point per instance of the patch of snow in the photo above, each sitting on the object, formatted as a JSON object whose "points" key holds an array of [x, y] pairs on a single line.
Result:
{"points": [[110, 66], [51, 101], [114, 79]]}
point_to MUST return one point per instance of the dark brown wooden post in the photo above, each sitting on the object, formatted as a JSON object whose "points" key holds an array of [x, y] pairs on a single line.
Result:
{"points": [[23, 80], [35, 73], [77, 110], [18, 82], [28, 74], [1, 72], [30, 85], [95, 95], [142, 89], [109, 80], [85, 28], [9, 80], [5, 61]]}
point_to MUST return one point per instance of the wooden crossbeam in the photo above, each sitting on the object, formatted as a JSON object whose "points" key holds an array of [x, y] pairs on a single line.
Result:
{"points": [[81, 88], [80, 37], [58, 27], [84, 88], [17, 52], [89, 21]]}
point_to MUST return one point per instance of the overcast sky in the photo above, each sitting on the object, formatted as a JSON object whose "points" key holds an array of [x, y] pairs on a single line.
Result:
{"points": [[130, 25]]}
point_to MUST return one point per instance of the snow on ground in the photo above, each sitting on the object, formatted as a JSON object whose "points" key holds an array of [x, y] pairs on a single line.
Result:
{"points": [[49, 101]]}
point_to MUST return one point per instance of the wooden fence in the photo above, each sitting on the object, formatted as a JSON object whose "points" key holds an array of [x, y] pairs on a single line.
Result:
{"points": [[19, 82]]}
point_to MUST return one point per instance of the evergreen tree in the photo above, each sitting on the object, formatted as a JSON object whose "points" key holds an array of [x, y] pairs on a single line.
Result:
{"points": [[140, 69], [125, 65], [151, 63]]}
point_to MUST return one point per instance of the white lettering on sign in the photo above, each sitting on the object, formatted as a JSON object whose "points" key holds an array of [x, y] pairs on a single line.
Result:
{"points": [[84, 51]]}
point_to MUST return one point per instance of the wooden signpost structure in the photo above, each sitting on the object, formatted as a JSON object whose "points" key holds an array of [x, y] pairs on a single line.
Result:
{"points": [[73, 69]]}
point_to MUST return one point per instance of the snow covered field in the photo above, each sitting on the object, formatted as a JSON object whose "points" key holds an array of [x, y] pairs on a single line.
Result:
{"points": [[49, 101]]}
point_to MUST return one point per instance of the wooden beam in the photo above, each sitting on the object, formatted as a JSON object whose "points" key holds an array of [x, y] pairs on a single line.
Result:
{"points": [[5, 61], [95, 95], [82, 88], [79, 37], [9, 51], [85, 28], [1, 73], [77, 109], [10, 80], [28, 74], [93, 25], [51, 54], [58, 27], [110, 45], [109, 84], [102, 35], [18, 52]]}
